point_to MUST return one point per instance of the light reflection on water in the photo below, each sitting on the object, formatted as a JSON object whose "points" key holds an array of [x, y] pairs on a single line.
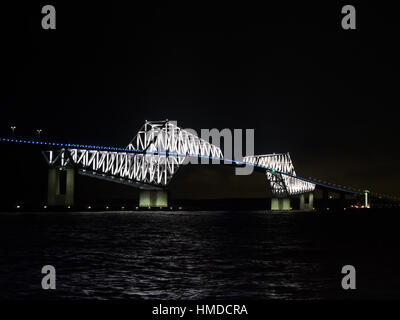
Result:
{"points": [[194, 255]]}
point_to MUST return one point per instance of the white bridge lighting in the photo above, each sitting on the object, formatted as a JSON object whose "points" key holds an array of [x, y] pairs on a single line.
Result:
{"points": [[282, 185], [158, 149], [154, 155]]}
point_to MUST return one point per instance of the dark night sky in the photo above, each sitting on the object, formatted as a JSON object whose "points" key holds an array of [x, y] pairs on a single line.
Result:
{"points": [[326, 95]]}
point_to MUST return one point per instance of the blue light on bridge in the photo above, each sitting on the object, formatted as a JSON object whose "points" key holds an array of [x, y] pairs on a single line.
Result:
{"points": [[173, 154]]}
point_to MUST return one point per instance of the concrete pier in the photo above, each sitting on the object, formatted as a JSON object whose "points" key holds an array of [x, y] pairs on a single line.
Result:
{"points": [[307, 201], [153, 199], [61, 187], [367, 203], [281, 204]]}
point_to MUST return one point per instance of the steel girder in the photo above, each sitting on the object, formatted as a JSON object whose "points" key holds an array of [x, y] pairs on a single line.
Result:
{"points": [[157, 151], [282, 185]]}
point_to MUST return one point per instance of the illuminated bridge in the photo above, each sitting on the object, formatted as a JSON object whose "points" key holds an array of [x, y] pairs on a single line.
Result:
{"points": [[152, 158]]}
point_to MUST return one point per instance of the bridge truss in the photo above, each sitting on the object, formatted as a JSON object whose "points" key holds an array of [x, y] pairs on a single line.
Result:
{"points": [[157, 151], [149, 161], [282, 185]]}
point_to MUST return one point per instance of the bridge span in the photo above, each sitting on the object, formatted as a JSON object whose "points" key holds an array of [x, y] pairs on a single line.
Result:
{"points": [[153, 157]]}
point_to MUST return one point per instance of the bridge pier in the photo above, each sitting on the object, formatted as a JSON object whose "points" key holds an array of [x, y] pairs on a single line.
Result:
{"points": [[149, 198], [61, 187], [367, 203], [282, 204], [307, 201]]}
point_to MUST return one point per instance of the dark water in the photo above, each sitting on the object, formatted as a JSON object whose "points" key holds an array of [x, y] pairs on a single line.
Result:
{"points": [[199, 255]]}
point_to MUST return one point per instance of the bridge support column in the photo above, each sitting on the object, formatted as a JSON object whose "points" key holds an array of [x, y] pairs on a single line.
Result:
{"points": [[307, 201], [366, 199], [282, 204], [61, 187], [153, 199]]}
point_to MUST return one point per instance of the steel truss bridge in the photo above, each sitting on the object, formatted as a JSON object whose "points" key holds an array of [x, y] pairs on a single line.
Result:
{"points": [[157, 151]]}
